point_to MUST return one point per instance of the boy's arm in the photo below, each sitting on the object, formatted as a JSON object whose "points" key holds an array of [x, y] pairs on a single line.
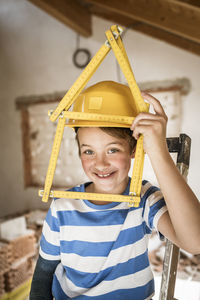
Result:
{"points": [[181, 224], [41, 286], [49, 257]]}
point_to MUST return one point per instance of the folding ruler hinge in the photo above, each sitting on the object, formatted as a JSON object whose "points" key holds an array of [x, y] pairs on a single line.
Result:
{"points": [[134, 202], [115, 34], [50, 112], [41, 194]]}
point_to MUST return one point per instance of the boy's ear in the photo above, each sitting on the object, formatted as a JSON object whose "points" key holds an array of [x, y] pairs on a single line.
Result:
{"points": [[133, 153]]}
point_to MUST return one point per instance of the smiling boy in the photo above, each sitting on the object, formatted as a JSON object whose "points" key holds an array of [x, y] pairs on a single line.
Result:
{"points": [[105, 159], [99, 250]]}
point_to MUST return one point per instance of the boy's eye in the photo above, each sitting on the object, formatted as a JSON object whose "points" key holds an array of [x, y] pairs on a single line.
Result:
{"points": [[88, 152], [113, 150]]}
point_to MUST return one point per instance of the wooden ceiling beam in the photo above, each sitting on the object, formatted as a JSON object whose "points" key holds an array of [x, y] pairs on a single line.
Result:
{"points": [[68, 12], [168, 37], [177, 17], [149, 30], [194, 3]]}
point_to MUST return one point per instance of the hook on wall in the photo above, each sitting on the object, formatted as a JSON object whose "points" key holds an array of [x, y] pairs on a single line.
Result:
{"points": [[81, 56]]}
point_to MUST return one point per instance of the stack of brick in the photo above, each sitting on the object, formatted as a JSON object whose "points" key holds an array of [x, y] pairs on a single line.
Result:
{"points": [[23, 246], [17, 253], [34, 221], [2, 285], [5, 262], [21, 268]]}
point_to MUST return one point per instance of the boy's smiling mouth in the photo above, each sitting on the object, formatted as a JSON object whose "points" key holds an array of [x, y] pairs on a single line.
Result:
{"points": [[104, 175]]}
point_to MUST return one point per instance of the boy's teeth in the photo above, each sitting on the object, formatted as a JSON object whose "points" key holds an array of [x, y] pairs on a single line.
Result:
{"points": [[106, 175]]}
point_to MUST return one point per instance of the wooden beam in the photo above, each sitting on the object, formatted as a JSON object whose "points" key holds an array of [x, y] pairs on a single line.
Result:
{"points": [[190, 2], [149, 30], [176, 17], [168, 37], [25, 126], [68, 12]]}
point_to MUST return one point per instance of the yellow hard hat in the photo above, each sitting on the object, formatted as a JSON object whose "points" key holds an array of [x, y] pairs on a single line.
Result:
{"points": [[106, 98]]}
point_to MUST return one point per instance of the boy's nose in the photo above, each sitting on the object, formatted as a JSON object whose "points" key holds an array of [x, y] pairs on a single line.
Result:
{"points": [[101, 162]]}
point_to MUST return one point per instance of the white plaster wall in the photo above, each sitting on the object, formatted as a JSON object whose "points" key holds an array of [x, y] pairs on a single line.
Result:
{"points": [[36, 57]]}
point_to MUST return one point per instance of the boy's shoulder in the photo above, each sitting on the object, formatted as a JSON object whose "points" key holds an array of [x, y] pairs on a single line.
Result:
{"points": [[78, 188], [150, 193], [147, 186], [60, 204]]}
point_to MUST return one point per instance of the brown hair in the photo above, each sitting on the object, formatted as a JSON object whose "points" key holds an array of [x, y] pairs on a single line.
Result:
{"points": [[122, 133]]}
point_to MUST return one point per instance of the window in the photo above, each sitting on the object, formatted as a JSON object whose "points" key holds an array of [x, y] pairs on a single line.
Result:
{"points": [[37, 138]]}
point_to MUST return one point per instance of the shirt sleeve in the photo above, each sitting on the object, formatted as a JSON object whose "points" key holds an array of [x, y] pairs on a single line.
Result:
{"points": [[41, 286], [154, 206], [50, 238]]}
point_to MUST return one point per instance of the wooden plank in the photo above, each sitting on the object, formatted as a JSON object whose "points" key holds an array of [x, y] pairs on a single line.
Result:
{"points": [[173, 16], [69, 12], [149, 30], [169, 271], [168, 37], [25, 126], [26, 101], [194, 3]]}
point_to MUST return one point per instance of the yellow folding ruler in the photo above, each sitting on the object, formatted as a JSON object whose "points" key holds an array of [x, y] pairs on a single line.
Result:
{"points": [[62, 112]]}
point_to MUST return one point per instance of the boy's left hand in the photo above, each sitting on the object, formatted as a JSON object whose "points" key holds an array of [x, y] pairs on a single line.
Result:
{"points": [[152, 127]]}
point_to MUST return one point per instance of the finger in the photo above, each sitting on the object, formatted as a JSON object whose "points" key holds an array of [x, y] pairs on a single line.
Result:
{"points": [[155, 102], [142, 116], [148, 126], [147, 118], [147, 122], [140, 129]]}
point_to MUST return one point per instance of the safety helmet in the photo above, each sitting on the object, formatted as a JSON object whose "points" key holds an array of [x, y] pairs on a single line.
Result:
{"points": [[106, 98]]}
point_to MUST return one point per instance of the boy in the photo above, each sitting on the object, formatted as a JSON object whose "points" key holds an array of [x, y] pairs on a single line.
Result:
{"points": [[98, 250]]}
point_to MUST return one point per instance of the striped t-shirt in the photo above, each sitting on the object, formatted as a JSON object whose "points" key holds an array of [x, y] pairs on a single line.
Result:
{"points": [[102, 249]]}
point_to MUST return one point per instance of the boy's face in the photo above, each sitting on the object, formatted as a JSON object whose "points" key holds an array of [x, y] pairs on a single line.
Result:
{"points": [[106, 160]]}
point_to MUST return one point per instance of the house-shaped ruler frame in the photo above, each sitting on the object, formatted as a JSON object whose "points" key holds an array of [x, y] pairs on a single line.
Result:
{"points": [[62, 112]]}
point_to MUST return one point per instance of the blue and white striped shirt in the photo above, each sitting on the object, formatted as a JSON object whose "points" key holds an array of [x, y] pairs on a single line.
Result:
{"points": [[102, 249]]}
